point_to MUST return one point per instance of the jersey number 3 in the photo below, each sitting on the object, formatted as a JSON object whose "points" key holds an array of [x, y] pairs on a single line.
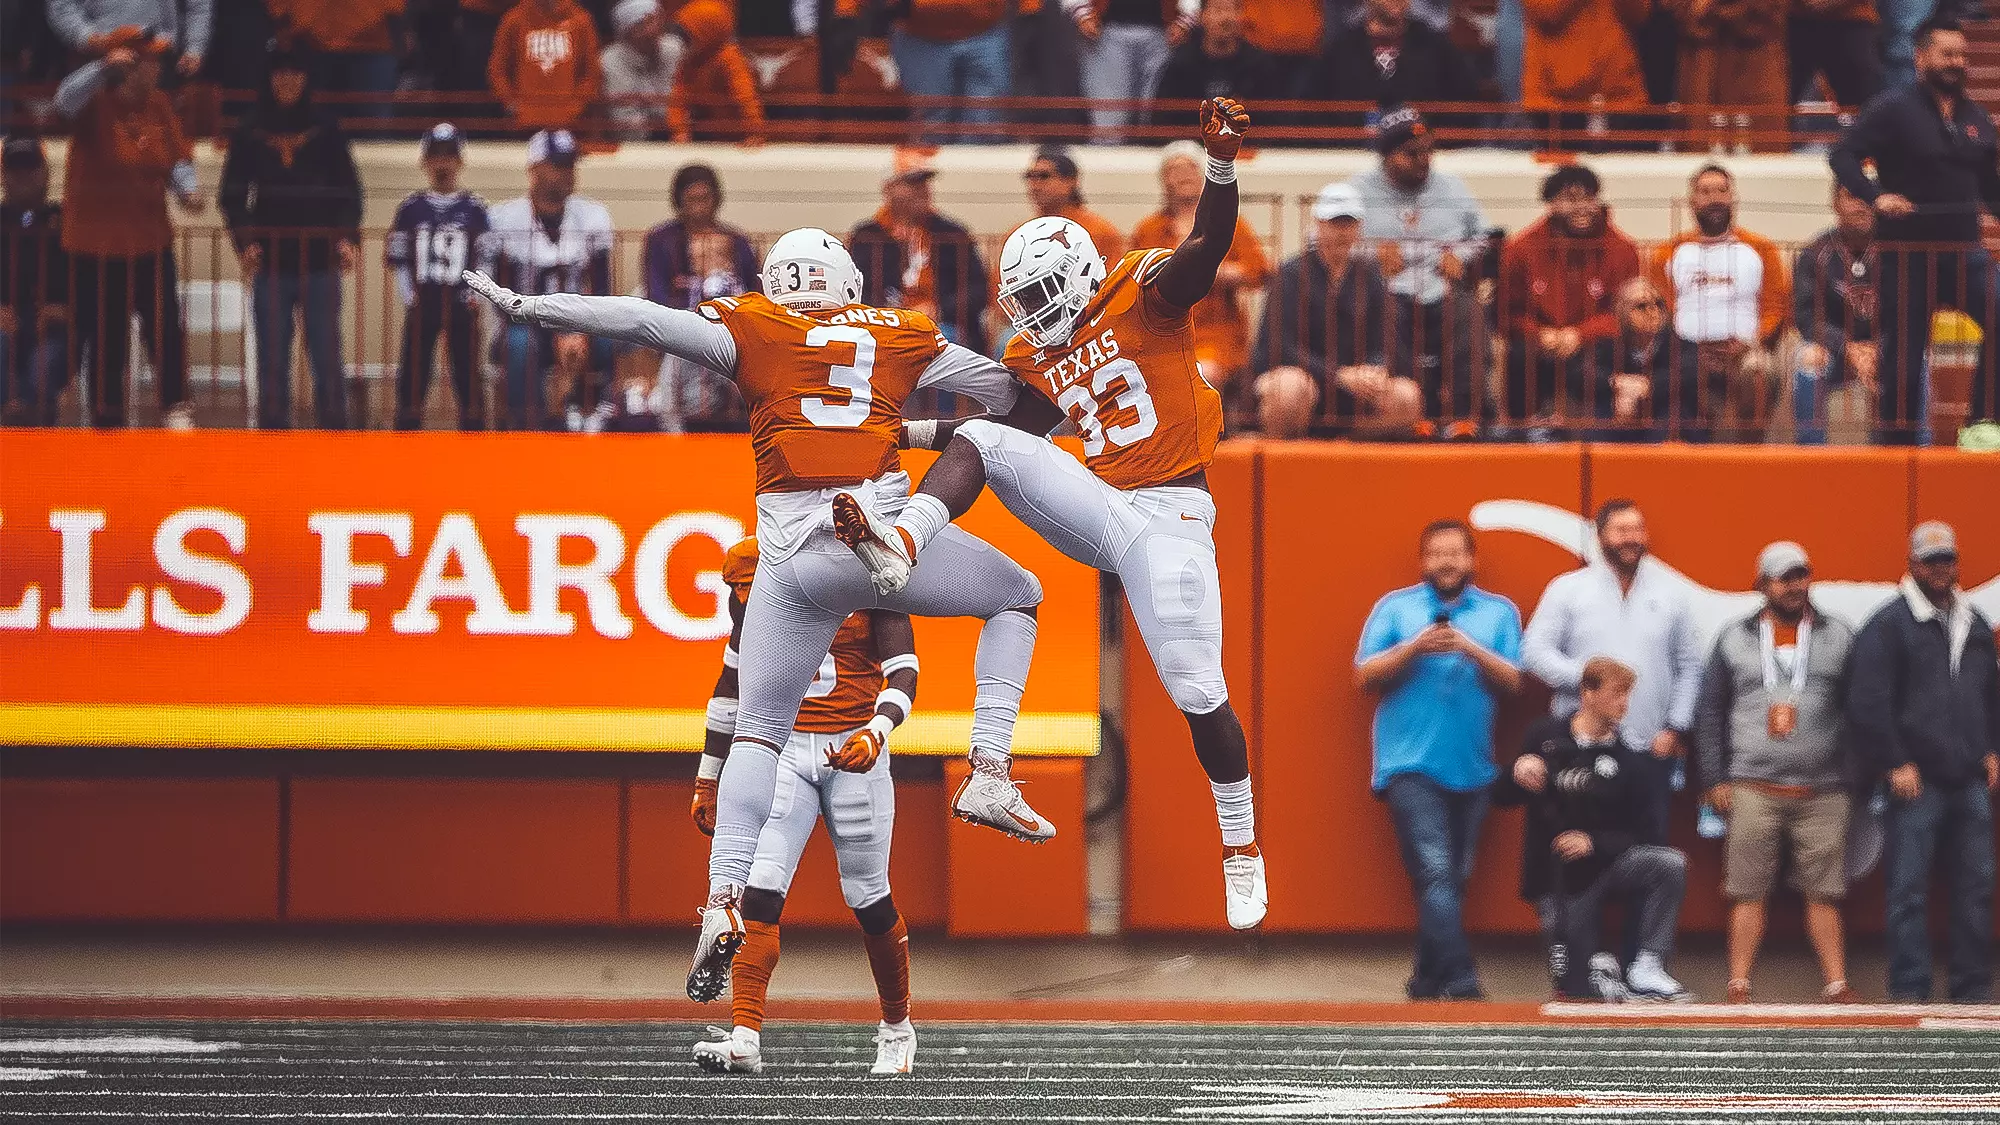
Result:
{"points": [[852, 378], [1082, 406]]}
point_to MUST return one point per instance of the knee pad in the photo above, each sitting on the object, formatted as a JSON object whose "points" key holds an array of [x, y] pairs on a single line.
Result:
{"points": [[983, 433], [1191, 671]]}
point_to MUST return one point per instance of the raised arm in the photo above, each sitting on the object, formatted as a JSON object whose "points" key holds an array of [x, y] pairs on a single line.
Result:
{"points": [[633, 320], [1189, 271]]}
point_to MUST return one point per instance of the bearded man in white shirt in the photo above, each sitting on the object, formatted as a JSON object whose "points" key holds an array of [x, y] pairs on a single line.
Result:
{"points": [[1624, 605]]}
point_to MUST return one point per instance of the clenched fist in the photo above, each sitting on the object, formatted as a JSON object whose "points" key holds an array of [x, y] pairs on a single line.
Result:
{"points": [[1224, 122], [704, 805], [858, 753]]}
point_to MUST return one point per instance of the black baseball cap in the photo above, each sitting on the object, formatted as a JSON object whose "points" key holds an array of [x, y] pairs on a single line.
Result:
{"points": [[443, 139], [1397, 128], [21, 153]]}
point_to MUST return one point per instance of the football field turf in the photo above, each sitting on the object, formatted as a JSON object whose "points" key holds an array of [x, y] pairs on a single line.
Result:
{"points": [[1936, 1069]]}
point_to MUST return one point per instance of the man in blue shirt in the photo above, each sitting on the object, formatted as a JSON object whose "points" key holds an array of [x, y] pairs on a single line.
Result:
{"points": [[1439, 654]]}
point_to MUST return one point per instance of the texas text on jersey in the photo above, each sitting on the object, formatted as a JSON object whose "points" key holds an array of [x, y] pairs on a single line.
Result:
{"points": [[825, 391], [842, 695], [1128, 380]]}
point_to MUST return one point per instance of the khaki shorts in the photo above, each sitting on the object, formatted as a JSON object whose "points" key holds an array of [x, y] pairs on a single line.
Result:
{"points": [[1761, 826]]}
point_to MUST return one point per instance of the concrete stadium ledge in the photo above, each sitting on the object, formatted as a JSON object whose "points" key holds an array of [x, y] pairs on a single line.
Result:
{"points": [[1965, 1017], [781, 186]]}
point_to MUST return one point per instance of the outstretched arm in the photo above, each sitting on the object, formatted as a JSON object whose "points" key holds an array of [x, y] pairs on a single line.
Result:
{"points": [[1190, 271], [633, 320]]}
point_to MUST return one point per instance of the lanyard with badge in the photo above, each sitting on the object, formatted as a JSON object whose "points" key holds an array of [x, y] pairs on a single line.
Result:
{"points": [[1783, 717]]}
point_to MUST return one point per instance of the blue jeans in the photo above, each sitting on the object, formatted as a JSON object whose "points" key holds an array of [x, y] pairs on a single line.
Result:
{"points": [[1437, 830], [968, 68], [1956, 825], [315, 296], [32, 389], [527, 353], [1900, 19]]}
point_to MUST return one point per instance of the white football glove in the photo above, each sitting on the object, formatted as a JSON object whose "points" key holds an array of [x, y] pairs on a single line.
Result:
{"points": [[518, 309]]}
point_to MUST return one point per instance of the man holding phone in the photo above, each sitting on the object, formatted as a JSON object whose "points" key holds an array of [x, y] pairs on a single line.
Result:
{"points": [[1439, 654]]}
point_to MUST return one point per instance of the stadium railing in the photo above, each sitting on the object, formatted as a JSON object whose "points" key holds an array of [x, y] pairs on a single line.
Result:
{"points": [[1461, 360]]}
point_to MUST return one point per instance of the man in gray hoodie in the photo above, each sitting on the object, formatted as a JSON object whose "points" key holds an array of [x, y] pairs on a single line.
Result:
{"points": [[1428, 233], [1770, 730]]}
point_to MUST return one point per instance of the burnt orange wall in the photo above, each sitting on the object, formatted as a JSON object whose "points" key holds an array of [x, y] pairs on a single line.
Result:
{"points": [[1329, 527]]}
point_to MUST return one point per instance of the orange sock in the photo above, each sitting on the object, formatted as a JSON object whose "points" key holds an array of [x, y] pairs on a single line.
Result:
{"points": [[889, 960], [750, 973]]}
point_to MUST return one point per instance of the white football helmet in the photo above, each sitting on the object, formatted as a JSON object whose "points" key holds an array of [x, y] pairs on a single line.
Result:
{"points": [[1049, 270], [809, 269]]}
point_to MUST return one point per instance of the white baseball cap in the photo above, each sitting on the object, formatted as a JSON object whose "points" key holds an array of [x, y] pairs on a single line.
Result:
{"points": [[1781, 558], [1338, 201]]}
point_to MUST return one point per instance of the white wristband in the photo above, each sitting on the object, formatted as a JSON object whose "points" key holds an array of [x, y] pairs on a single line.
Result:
{"points": [[893, 697], [921, 434], [710, 769], [730, 657], [901, 662], [722, 715], [1221, 171], [881, 725]]}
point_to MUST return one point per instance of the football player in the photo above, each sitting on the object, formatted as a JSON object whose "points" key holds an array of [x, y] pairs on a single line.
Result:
{"points": [[834, 769], [825, 379], [1114, 353]]}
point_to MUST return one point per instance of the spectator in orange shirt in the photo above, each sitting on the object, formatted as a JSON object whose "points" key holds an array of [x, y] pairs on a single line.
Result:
{"points": [[126, 152], [955, 49], [356, 42], [1733, 53], [545, 63], [1221, 323], [715, 80], [1577, 51], [1053, 190]]}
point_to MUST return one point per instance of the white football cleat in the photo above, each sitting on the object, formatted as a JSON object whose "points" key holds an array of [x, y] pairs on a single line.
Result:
{"points": [[737, 1052], [1244, 896], [884, 548], [1648, 980], [995, 801], [516, 307], [895, 1048], [721, 936]]}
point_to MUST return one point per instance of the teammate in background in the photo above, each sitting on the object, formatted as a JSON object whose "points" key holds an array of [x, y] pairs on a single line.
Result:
{"points": [[1116, 355], [550, 240], [825, 379], [430, 245], [835, 768]]}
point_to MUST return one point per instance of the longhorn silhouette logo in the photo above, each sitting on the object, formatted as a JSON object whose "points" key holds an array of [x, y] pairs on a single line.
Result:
{"points": [[1853, 602]]}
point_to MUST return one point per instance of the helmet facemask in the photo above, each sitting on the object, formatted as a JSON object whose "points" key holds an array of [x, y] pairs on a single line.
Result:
{"points": [[1044, 309]]}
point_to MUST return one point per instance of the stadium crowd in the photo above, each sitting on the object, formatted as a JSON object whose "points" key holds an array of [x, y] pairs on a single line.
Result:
{"points": [[1408, 316], [1820, 748], [678, 68]]}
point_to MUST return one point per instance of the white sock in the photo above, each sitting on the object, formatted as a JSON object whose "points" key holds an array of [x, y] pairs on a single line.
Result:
{"points": [[923, 518], [747, 1035], [1236, 811], [1000, 675], [742, 805]]}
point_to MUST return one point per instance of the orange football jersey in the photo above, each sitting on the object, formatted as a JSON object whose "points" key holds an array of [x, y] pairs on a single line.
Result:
{"points": [[842, 694], [825, 391], [1128, 380]]}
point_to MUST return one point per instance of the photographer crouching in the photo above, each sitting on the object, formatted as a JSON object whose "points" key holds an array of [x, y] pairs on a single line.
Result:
{"points": [[1588, 806]]}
